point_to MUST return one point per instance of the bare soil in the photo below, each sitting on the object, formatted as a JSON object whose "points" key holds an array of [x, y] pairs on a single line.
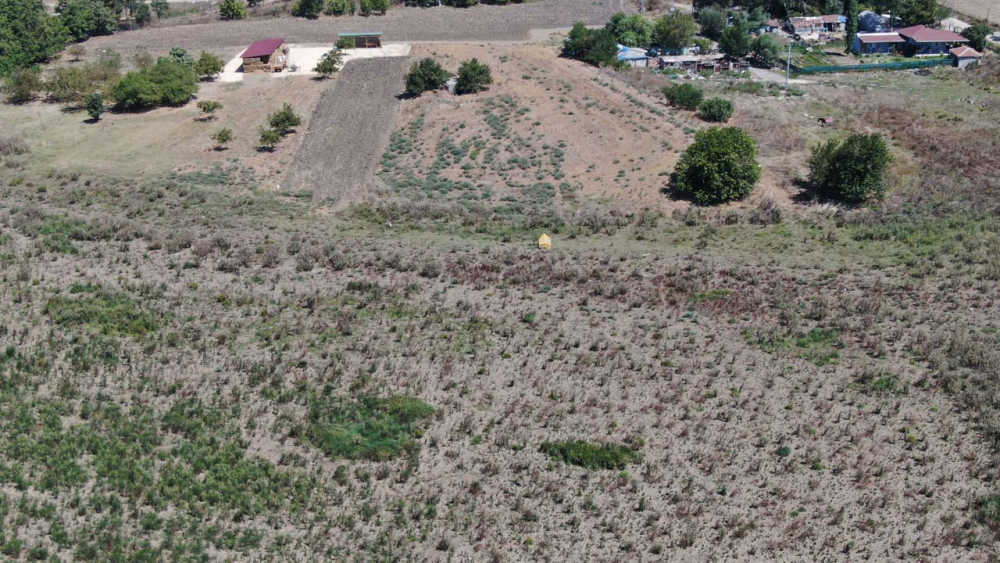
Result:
{"points": [[349, 130], [480, 23]]}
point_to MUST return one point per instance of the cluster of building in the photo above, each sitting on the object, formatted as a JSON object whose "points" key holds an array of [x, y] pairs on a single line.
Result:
{"points": [[917, 40]]}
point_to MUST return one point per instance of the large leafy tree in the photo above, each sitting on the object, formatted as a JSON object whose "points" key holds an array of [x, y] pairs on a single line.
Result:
{"points": [[87, 18], [633, 30], [720, 166], [851, 13], [233, 10], [674, 31], [766, 51], [977, 36], [473, 76], [594, 46], [28, 35], [425, 75], [713, 22], [735, 41], [922, 12]]}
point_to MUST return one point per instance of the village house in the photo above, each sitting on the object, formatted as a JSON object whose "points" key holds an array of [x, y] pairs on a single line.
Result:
{"points": [[817, 24], [914, 41], [964, 56], [260, 56], [876, 43]]}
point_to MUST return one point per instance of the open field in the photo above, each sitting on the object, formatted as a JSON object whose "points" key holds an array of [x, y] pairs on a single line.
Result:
{"points": [[351, 349], [480, 23], [349, 130]]}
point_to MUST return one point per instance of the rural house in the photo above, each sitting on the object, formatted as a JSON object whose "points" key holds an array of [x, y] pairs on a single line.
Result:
{"points": [[260, 56], [922, 41], [817, 24], [964, 56], [876, 43], [632, 57]]}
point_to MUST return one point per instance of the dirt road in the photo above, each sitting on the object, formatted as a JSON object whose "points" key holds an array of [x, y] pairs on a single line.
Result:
{"points": [[479, 23], [349, 131]]}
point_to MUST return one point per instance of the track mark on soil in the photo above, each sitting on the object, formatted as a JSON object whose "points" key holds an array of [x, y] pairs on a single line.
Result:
{"points": [[349, 131]]}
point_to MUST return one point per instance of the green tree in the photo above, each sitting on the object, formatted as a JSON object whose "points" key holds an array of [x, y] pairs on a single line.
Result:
{"points": [[233, 10], [222, 137], [685, 95], [161, 8], [720, 166], [339, 7], [346, 43], [22, 86], [713, 22], [165, 83], [674, 31], [704, 45], [922, 12], [88, 18], [978, 36], [329, 63], [28, 35], [594, 46], [851, 13], [284, 120], [735, 42], [854, 169], [473, 76], [716, 110], [633, 30], [766, 51], [425, 75], [307, 8], [209, 107], [208, 65], [269, 138], [95, 106], [142, 15], [180, 56]]}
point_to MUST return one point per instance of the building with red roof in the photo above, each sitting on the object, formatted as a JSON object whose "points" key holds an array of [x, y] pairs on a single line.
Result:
{"points": [[922, 41], [260, 56]]}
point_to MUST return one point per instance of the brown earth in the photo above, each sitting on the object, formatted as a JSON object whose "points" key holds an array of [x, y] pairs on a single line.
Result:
{"points": [[349, 130], [480, 23]]}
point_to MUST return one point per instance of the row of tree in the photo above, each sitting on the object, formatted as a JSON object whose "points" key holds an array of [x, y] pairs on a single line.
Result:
{"points": [[427, 75], [913, 12]]}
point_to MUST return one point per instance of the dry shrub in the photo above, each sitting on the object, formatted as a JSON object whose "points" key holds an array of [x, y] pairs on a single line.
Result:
{"points": [[10, 146], [270, 256]]}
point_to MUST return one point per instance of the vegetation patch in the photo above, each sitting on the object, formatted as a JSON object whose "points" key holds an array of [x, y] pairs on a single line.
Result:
{"points": [[106, 312], [591, 456], [369, 428]]}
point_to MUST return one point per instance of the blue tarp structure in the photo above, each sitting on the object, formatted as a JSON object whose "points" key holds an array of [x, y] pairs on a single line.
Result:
{"points": [[631, 53]]}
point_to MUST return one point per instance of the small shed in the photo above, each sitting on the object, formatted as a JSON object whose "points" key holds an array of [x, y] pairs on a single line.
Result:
{"points": [[260, 56], [964, 56], [365, 39], [544, 242]]}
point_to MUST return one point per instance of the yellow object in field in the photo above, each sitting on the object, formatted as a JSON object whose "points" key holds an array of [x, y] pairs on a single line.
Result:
{"points": [[544, 242]]}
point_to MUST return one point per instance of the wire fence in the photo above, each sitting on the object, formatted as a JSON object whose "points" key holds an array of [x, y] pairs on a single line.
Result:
{"points": [[869, 67]]}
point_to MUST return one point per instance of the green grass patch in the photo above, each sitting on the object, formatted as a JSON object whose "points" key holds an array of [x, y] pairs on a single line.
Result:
{"points": [[105, 312], [591, 456], [371, 428]]}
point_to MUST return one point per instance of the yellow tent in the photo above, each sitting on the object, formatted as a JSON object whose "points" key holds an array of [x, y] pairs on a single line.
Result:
{"points": [[544, 242]]}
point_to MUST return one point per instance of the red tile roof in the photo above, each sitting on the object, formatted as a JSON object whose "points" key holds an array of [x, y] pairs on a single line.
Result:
{"points": [[924, 34], [880, 38], [965, 52], [263, 48]]}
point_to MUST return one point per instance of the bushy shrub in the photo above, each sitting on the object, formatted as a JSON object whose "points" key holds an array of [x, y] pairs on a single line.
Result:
{"points": [[22, 86], [72, 84], [713, 22], [95, 106], [329, 63], [766, 51], [339, 8], [222, 137], [425, 75], [632, 30], [686, 96], [307, 8], [346, 43], [977, 36], [674, 30], [716, 110], [209, 107], [233, 10], [853, 169], [720, 166], [88, 18], [164, 83], [369, 7], [208, 65], [735, 41], [284, 120], [593, 46], [269, 138], [473, 76]]}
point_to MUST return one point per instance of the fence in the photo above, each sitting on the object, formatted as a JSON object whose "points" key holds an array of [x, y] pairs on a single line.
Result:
{"points": [[874, 66]]}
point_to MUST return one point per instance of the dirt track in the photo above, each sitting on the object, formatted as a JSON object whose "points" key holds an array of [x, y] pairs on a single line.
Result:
{"points": [[349, 131], [480, 23]]}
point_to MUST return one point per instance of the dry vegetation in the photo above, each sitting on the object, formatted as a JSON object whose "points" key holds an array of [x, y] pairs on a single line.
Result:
{"points": [[196, 368]]}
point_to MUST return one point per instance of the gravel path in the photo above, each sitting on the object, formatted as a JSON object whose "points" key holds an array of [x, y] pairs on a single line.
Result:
{"points": [[479, 23], [349, 131]]}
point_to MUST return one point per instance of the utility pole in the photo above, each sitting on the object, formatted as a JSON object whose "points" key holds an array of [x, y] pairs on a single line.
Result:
{"points": [[788, 65]]}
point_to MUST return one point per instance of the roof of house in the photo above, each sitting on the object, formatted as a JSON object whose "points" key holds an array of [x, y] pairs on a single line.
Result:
{"points": [[807, 20], [965, 51], [262, 48], [361, 34], [631, 54], [880, 38], [924, 34]]}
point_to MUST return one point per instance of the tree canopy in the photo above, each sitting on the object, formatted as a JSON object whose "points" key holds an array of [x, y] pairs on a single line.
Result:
{"points": [[633, 30], [594, 46], [853, 169], [28, 35], [674, 31], [720, 166]]}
